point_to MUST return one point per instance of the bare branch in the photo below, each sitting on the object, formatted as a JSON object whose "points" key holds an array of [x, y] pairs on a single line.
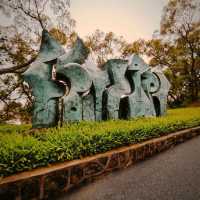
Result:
{"points": [[38, 14], [28, 13], [15, 69]]}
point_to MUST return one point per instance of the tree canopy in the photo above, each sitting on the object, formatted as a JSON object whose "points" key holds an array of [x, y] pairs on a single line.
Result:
{"points": [[20, 41]]}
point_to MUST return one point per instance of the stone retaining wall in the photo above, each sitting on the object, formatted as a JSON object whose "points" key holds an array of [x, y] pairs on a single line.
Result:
{"points": [[48, 182]]}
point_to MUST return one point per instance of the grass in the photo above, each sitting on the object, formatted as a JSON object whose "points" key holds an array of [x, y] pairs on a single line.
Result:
{"points": [[22, 149]]}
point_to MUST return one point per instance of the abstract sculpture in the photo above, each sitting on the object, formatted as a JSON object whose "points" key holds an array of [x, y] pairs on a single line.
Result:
{"points": [[121, 90]]}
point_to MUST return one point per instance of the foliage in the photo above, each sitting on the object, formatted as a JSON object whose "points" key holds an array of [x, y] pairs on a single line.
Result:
{"points": [[181, 22], [104, 46], [22, 149], [136, 47], [176, 49], [29, 18], [178, 12], [19, 45], [15, 96]]}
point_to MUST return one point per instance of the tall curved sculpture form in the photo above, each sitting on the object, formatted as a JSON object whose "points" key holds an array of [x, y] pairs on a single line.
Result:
{"points": [[46, 91]]}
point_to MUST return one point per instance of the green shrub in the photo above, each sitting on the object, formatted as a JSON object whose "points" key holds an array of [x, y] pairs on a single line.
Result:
{"points": [[22, 149]]}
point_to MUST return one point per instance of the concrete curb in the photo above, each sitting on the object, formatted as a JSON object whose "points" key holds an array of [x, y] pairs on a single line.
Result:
{"points": [[51, 181]]}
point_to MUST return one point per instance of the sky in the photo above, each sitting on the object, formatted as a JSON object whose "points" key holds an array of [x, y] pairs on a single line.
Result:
{"points": [[132, 19]]}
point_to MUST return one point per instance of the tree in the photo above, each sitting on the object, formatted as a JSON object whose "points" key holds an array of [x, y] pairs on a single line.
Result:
{"points": [[136, 47], [176, 49], [12, 88], [20, 43], [29, 17], [167, 56], [104, 46], [182, 22]]}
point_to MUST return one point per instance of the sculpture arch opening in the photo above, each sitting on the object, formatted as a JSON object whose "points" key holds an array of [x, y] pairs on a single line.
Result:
{"points": [[64, 82], [157, 106], [124, 111]]}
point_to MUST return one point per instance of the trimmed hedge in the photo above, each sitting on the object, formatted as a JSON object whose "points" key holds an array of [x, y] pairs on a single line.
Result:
{"points": [[22, 149]]}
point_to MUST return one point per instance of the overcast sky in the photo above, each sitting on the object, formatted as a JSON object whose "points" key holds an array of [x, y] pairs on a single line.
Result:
{"points": [[132, 19]]}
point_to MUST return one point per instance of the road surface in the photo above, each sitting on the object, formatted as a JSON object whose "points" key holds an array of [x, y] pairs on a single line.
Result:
{"points": [[171, 175]]}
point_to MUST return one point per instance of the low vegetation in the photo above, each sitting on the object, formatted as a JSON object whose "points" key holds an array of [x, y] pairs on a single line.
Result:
{"points": [[22, 149]]}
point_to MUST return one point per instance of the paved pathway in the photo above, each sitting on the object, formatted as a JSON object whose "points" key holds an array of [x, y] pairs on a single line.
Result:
{"points": [[171, 175]]}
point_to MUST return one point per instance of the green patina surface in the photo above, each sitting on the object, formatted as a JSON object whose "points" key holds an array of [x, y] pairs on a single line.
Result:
{"points": [[45, 91], [122, 90]]}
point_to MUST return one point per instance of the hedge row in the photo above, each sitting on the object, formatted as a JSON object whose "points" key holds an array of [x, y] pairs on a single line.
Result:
{"points": [[22, 149]]}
